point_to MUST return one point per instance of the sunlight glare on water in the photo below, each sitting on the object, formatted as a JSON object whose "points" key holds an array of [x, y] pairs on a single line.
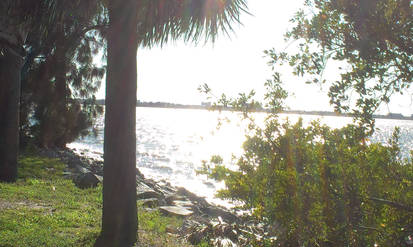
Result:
{"points": [[171, 143]]}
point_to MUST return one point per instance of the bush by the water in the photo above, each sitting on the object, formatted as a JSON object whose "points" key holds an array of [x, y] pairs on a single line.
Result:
{"points": [[317, 186]]}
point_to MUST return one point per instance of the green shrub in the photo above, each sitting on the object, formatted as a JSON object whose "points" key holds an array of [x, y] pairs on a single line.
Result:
{"points": [[316, 186]]}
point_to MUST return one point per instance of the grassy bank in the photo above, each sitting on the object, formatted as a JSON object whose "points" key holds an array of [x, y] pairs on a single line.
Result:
{"points": [[44, 209]]}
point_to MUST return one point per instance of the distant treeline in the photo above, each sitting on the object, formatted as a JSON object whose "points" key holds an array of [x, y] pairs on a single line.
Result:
{"points": [[208, 106]]}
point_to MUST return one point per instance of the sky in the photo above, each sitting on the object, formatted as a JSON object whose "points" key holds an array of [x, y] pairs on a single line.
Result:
{"points": [[231, 65]]}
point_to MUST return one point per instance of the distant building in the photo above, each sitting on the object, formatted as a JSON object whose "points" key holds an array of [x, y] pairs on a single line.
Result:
{"points": [[395, 115], [206, 104]]}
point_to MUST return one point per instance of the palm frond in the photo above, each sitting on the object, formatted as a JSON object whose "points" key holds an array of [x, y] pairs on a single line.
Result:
{"points": [[191, 20]]}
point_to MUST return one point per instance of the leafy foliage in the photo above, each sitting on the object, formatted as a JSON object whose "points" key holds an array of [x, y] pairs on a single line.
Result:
{"points": [[371, 41], [59, 73], [246, 103], [314, 186]]}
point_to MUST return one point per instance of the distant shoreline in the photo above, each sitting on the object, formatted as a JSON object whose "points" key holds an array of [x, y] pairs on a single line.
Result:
{"points": [[207, 106]]}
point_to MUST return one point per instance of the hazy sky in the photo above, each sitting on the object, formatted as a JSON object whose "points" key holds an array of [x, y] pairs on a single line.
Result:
{"points": [[232, 65]]}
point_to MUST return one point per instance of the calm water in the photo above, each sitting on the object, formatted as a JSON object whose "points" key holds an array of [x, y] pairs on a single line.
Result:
{"points": [[171, 143]]}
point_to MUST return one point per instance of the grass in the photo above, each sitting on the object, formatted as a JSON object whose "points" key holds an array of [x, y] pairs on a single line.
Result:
{"points": [[44, 209]]}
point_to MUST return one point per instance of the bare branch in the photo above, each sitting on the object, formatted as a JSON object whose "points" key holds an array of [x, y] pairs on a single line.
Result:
{"points": [[392, 204]]}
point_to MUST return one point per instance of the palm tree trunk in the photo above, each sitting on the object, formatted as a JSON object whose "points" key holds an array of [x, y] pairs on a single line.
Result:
{"points": [[10, 67], [119, 218]]}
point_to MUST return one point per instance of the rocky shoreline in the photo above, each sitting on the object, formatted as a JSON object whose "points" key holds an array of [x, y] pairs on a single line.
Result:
{"points": [[202, 220]]}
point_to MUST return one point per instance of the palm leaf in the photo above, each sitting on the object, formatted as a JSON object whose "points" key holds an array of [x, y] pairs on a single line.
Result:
{"points": [[163, 20]]}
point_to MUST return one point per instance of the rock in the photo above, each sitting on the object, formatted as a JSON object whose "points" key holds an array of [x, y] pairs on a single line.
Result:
{"points": [[149, 184], [199, 234], [224, 242], [150, 203], [216, 212], [148, 194], [99, 177], [142, 186], [170, 229], [192, 197], [139, 174], [67, 174], [226, 231], [187, 226], [171, 198], [186, 204], [81, 169], [175, 211], [216, 233], [87, 180]]}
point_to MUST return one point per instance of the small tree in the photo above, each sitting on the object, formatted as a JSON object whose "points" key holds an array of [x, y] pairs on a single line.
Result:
{"points": [[59, 74], [17, 19], [16, 16]]}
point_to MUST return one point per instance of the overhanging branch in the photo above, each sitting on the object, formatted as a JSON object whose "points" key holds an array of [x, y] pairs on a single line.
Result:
{"points": [[391, 203]]}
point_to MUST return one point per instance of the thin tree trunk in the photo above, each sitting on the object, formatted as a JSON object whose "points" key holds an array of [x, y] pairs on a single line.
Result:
{"points": [[10, 67], [119, 218], [60, 102]]}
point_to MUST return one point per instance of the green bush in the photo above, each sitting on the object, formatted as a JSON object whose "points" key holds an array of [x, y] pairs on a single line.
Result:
{"points": [[316, 186]]}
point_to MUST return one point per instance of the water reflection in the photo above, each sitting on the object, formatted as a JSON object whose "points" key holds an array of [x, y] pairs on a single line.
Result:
{"points": [[171, 143]]}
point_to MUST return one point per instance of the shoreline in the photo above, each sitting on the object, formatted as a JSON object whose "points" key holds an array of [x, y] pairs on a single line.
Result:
{"points": [[209, 107], [201, 219]]}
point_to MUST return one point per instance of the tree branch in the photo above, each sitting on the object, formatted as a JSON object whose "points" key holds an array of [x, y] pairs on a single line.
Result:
{"points": [[95, 27], [391, 203], [369, 228]]}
